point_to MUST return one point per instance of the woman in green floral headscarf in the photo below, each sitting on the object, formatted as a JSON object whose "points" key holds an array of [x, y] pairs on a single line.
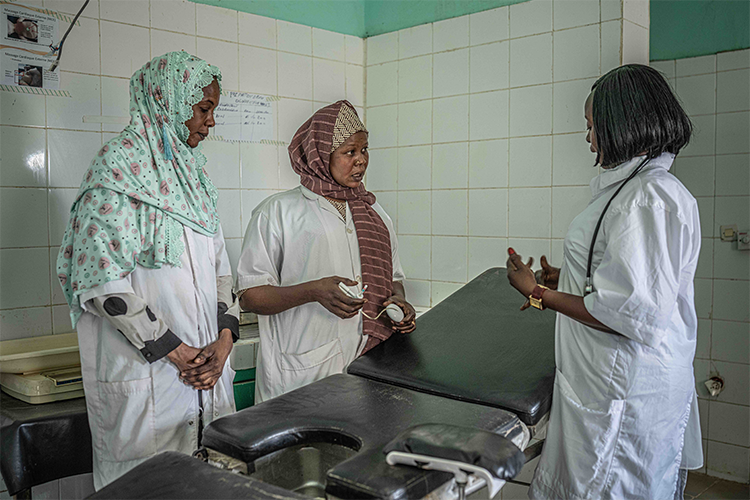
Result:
{"points": [[145, 272]]}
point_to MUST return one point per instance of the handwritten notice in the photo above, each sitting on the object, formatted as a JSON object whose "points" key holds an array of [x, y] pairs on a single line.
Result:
{"points": [[244, 117]]}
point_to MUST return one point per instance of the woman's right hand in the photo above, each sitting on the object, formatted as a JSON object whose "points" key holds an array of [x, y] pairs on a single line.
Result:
{"points": [[183, 357], [329, 295], [550, 275]]}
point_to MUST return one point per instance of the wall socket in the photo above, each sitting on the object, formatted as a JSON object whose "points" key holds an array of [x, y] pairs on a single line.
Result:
{"points": [[729, 232]]}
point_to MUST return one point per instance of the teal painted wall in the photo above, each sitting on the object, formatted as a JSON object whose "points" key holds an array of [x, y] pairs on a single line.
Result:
{"points": [[385, 16], [341, 16], [690, 28]]}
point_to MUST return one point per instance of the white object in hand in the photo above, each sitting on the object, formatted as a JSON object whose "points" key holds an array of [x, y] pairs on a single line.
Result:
{"points": [[350, 292], [395, 313]]}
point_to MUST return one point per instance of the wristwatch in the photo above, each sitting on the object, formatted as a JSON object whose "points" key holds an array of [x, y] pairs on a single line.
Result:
{"points": [[536, 297]]}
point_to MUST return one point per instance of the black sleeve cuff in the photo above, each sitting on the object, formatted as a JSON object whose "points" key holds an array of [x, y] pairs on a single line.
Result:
{"points": [[154, 350], [228, 321]]}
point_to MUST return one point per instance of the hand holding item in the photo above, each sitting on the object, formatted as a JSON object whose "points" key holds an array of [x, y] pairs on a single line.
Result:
{"points": [[520, 275], [549, 275], [329, 295], [208, 364], [408, 324]]}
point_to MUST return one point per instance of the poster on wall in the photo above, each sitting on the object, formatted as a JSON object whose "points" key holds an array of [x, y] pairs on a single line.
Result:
{"points": [[242, 117], [26, 40]]}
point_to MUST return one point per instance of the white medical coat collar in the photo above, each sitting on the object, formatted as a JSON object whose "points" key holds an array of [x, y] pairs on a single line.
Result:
{"points": [[328, 207], [623, 170]]}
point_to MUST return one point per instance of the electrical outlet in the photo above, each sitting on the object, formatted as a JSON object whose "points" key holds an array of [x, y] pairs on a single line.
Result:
{"points": [[729, 232], [743, 241]]}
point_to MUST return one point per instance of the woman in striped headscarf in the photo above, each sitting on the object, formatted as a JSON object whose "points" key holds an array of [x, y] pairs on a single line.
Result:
{"points": [[302, 244]]}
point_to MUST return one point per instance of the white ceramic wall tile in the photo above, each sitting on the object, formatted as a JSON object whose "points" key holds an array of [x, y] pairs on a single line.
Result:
{"points": [[293, 37], [611, 50], [165, 41], [382, 171], [415, 209], [59, 202], [355, 84], [567, 204], [572, 13], [257, 30], [730, 341], [705, 267], [576, 53], [723, 424], [530, 162], [23, 323], [115, 101], [257, 71], [531, 111], [27, 269], [70, 154], [382, 48], [488, 212], [68, 113], [225, 55], [329, 80], [568, 101], [702, 142], [216, 22], [259, 166], [60, 321], [696, 65], [488, 26], [527, 218], [636, 11], [530, 18], [728, 461], [449, 259], [297, 75], [730, 263], [701, 368], [611, 9], [449, 212], [524, 50], [250, 200], [382, 123], [635, 43], [389, 202], [733, 132], [415, 167], [736, 59], [486, 253], [733, 90], [696, 173], [450, 119], [382, 84], [730, 301], [488, 115], [27, 227], [488, 164], [415, 41], [703, 297], [666, 68], [223, 163], [72, 7], [698, 94], [489, 67], [355, 50], [703, 343], [57, 295], [733, 174], [81, 47], [123, 59], [450, 34], [414, 78], [328, 45], [173, 15], [572, 161], [229, 201], [734, 393], [731, 210], [450, 165], [418, 292], [23, 109], [442, 290], [23, 160], [555, 257], [130, 12], [450, 73], [414, 252], [529, 247], [414, 123], [706, 211], [292, 114]]}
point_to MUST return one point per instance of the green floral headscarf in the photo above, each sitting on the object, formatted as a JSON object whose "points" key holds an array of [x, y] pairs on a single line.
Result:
{"points": [[144, 185]]}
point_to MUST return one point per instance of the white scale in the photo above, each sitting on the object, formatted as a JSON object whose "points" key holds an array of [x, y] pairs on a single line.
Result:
{"points": [[44, 387]]}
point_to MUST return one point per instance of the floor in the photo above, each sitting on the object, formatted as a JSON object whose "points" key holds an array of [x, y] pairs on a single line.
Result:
{"points": [[706, 487]]}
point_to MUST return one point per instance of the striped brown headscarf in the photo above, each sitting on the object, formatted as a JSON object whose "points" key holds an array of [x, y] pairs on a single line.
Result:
{"points": [[310, 153]]}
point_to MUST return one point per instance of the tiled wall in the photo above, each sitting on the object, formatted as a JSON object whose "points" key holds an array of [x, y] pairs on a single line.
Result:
{"points": [[47, 146], [488, 148], [715, 167]]}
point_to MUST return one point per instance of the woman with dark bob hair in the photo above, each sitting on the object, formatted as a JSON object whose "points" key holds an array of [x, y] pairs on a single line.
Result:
{"points": [[624, 420]]}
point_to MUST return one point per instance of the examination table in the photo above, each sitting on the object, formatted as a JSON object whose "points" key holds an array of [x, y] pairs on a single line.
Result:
{"points": [[474, 361]]}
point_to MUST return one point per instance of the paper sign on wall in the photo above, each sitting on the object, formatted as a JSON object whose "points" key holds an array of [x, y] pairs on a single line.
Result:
{"points": [[244, 117], [25, 43]]}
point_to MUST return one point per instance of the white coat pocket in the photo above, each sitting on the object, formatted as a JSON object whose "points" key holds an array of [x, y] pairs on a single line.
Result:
{"points": [[300, 369], [125, 425], [594, 429]]}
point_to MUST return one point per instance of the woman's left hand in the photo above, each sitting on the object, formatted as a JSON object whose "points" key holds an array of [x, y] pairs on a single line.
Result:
{"points": [[213, 358], [408, 324], [521, 276]]}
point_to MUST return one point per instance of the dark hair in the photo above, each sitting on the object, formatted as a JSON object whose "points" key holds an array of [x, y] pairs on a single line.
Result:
{"points": [[634, 110]]}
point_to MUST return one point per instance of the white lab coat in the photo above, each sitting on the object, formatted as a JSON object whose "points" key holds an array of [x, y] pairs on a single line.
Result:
{"points": [[621, 404], [137, 409], [295, 237]]}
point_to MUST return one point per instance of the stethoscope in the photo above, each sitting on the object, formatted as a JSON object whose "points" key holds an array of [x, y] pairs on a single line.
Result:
{"points": [[589, 286]]}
